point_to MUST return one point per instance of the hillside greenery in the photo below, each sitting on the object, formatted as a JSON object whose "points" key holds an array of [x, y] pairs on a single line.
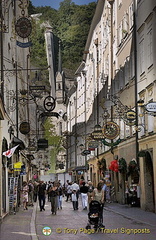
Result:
{"points": [[70, 23]]}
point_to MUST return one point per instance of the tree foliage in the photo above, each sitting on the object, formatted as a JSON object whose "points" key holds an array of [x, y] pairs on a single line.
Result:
{"points": [[54, 141], [50, 134], [38, 54], [71, 24]]}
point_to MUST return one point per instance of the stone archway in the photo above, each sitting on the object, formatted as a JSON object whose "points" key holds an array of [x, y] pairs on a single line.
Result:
{"points": [[149, 183]]}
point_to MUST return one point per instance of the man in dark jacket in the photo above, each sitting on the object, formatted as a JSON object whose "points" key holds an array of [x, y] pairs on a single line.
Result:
{"points": [[41, 195]]}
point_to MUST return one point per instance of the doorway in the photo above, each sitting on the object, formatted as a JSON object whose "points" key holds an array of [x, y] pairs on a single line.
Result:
{"points": [[149, 183]]}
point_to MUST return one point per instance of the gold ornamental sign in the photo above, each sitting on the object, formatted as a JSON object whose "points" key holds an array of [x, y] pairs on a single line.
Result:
{"points": [[111, 130]]}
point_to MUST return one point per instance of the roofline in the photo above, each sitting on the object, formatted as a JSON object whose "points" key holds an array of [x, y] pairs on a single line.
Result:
{"points": [[96, 19]]}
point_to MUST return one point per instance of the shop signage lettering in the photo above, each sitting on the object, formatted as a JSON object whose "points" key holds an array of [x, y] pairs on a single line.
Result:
{"points": [[42, 144], [93, 144], [37, 87], [97, 135], [24, 45], [151, 107]]}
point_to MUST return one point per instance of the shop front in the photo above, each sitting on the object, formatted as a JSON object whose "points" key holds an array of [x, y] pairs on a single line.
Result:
{"points": [[147, 164]]}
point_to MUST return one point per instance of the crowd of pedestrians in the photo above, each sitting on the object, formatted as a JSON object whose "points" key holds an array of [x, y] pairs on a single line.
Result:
{"points": [[72, 191]]}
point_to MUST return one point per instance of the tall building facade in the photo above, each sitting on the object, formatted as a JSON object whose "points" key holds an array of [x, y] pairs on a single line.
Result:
{"points": [[117, 71]]}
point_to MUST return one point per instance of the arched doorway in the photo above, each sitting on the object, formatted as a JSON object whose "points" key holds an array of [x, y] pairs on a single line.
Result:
{"points": [[149, 183]]}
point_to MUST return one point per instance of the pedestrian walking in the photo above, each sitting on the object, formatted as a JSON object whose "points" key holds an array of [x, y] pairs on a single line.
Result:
{"points": [[75, 187], [84, 195], [41, 195], [31, 193], [59, 198], [25, 190], [108, 194], [35, 190], [98, 193], [74, 200], [104, 187], [69, 191], [50, 184], [53, 197], [90, 192], [65, 187], [81, 180]]}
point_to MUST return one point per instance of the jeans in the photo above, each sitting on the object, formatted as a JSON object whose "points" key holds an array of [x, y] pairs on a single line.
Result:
{"points": [[41, 199], [75, 205], [59, 201]]}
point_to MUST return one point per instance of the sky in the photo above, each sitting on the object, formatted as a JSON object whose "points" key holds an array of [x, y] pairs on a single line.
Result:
{"points": [[56, 3]]}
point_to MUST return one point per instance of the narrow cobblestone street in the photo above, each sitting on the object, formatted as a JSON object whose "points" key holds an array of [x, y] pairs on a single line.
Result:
{"points": [[121, 222]]}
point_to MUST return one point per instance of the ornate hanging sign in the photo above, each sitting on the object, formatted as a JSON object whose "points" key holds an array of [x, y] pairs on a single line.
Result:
{"points": [[24, 128], [111, 130], [85, 152], [23, 4], [49, 103], [151, 107], [23, 27], [24, 45], [111, 144], [130, 118], [93, 144]]}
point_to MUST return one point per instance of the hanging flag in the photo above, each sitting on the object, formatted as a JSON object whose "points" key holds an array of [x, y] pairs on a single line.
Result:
{"points": [[10, 152]]}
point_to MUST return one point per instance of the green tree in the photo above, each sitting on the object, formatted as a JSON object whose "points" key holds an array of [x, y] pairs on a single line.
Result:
{"points": [[70, 23], [54, 141], [31, 8], [38, 52]]}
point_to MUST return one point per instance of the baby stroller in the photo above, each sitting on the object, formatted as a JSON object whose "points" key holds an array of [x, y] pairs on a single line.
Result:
{"points": [[95, 215]]}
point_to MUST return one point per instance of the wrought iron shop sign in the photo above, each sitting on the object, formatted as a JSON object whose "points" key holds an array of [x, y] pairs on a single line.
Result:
{"points": [[24, 45], [49, 103], [23, 27], [151, 107], [37, 88], [111, 130], [49, 114], [130, 115], [85, 152], [111, 144], [93, 144], [24, 128], [97, 135], [42, 143], [130, 118]]}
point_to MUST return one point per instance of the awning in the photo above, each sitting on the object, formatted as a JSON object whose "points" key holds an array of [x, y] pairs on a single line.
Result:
{"points": [[17, 141], [70, 169], [80, 168]]}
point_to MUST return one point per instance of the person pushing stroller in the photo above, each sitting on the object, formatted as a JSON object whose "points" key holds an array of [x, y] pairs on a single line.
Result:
{"points": [[95, 214]]}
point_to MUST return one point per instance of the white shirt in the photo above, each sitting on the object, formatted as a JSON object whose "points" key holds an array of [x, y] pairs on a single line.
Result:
{"points": [[75, 186]]}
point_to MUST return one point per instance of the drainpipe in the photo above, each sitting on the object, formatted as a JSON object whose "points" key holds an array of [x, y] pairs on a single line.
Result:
{"points": [[135, 73], [111, 2]]}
